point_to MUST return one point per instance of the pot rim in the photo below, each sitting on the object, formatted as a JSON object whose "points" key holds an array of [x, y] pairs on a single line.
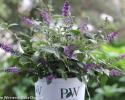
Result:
{"points": [[61, 80]]}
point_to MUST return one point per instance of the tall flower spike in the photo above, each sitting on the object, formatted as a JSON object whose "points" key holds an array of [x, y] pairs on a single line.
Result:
{"points": [[14, 70], [111, 36], [66, 9], [7, 48], [45, 17]]}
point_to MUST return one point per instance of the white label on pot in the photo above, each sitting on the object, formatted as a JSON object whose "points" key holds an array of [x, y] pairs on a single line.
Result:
{"points": [[71, 89]]}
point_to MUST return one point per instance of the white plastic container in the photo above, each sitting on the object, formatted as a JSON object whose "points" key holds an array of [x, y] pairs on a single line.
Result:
{"points": [[60, 89]]}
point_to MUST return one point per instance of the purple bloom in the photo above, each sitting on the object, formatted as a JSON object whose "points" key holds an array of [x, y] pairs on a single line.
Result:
{"points": [[121, 56], [50, 77], [7, 48], [83, 28], [111, 36], [14, 70], [66, 9], [45, 16], [27, 21], [68, 51], [115, 72], [89, 66], [67, 20]]}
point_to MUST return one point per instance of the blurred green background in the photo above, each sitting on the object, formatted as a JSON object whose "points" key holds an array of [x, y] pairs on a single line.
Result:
{"points": [[92, 12]]}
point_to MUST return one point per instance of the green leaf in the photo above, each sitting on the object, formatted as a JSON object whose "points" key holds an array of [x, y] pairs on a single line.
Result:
{"points": [[74, 71], [75, 32], [80, 57], [19, 91], [57, 16], [103, 80], [80, 65], [51, 50], [13, 24], [23, 60], [63, 73], [106, 71], [93, 41]]}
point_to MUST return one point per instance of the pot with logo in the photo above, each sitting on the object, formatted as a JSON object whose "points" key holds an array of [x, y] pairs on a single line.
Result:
{"points": [[60, 89], [60, 54]]}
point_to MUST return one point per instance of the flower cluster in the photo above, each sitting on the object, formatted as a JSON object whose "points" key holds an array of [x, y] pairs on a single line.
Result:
{"points": [[83, 28], [15, 70], [45, 17], [68, 51], [67, 21], [27, 21], [89, 66], [7, 48], [115, 72], [121, 56], [111, 36]]}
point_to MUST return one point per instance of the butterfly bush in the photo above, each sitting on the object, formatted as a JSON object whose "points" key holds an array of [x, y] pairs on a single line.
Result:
{"points": [[64, 51]]}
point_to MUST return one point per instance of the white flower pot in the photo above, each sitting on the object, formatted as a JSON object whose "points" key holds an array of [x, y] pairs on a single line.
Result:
{"points": [[60, 89]]}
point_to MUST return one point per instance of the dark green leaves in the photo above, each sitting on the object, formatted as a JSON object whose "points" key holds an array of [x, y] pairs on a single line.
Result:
{"points": [[103, 80], [23, 60]]}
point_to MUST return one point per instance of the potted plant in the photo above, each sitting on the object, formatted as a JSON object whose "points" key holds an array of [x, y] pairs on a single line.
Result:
{"points": [[63, 57]]}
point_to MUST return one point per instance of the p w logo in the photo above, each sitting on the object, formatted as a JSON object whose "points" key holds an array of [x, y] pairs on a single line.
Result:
{"points": [[38, 90], [69, 92]]}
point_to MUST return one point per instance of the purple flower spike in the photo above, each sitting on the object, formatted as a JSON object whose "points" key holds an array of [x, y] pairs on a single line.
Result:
{"points": [[66, 9], [14, 70], [45, 16], [115, 72], [27, 21], [68, 51], [111, 36], [7, 48]]}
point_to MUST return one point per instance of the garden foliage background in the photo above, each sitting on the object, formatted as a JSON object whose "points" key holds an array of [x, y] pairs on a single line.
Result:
{"points": [[92, 12]]}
